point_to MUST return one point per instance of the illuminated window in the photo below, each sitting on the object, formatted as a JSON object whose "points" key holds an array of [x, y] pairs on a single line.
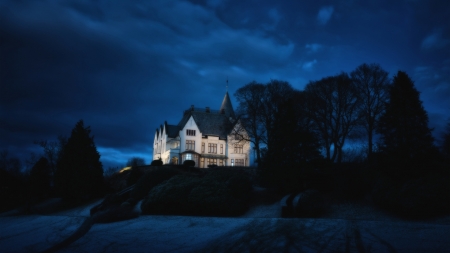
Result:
{"points": [[239, 162], [190, 132], [188, 157], [203, 147], [232, 162], [202, 162], [220, 162], [238, 149], [212, 161], [190, 145], [212, 148], [221, 148]]}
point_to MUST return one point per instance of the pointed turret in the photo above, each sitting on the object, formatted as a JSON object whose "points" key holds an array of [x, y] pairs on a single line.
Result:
{"points": [[226, 107]]}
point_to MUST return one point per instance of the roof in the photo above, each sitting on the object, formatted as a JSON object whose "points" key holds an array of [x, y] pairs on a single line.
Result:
{"points": [[172, 130], [209, 123], [227, 106]]}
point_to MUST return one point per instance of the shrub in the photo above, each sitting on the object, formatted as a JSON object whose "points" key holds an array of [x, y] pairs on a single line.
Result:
{"points": [[150, 179], [170, 197], [189, 163], [311, 203], [221, 192], [158, 162]]}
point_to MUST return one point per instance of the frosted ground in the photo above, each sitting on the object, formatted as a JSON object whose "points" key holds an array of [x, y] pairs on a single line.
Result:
{"points": [[348, 228]]}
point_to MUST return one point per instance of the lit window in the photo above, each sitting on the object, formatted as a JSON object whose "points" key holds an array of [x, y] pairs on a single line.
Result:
{"points": [[239, 162], [232, 162], [221, 148], [188, 157], [220, 162], [238, 149], [190, 145], [212, 148], [203, 147], [190, 132], [212, 161]]}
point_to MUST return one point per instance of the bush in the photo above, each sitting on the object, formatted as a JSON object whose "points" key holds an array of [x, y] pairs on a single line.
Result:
{"points": [[311, 203], [158, 162], [221, 192], [170, 197], [189, 163], [150, 179]]}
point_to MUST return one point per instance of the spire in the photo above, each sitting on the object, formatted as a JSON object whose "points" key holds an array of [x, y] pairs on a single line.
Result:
{"points": [[227, 107]]}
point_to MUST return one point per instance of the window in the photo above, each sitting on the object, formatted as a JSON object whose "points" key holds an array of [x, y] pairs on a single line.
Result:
{"points": [[221, 148], [239, 162], [212, 161], [190, 145], [238, 149], [190, 132], [232, 162], [203, 147], [188, 157], [202, 162], [220, 162], [212, 148]]}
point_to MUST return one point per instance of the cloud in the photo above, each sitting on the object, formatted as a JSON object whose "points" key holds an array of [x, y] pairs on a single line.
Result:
{"points": [[308, 66], [314, 47], [325, 14], [435, 40]]}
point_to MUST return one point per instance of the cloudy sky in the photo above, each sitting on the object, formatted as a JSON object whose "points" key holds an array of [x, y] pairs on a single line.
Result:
{"points": [[125, 67]]}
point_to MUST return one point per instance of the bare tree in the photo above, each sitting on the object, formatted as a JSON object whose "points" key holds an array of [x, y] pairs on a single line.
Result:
{"points": [[332, 104], [135, 161], [371, 82], [250, 98], [52, 150]]}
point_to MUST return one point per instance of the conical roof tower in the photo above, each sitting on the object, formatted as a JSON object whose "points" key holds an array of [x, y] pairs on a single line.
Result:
{"points": [[226, 107]]}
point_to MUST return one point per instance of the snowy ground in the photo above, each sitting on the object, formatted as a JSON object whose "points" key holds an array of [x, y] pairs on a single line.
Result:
{"points": [[349, 228]]}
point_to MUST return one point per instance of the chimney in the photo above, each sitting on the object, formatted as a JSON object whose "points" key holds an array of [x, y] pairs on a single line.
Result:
{"points": [[207, 109]]}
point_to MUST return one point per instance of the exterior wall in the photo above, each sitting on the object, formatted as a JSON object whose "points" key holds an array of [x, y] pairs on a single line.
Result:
{"points": [[218, 142], [191, 125]]}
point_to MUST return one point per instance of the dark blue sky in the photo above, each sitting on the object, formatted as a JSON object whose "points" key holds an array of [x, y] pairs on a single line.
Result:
{"points": [[126, 66]]}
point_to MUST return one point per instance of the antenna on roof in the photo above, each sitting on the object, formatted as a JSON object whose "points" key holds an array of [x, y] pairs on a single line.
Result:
{"points": [[227, 83]]}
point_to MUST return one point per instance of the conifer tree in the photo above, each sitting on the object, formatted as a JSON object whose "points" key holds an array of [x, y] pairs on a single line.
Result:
{"points": [[404, 129], [79, 172]]}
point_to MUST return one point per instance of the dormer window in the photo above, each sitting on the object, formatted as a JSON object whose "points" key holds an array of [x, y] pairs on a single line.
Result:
{"points": [[190, 132]]}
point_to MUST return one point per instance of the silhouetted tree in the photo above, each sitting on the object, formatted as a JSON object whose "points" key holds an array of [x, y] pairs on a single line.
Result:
{"points": [[333, 105], [371, 83], [445, 145], [79, 172], [250, 99], [135, 161], [52, 150], [405, 135]]}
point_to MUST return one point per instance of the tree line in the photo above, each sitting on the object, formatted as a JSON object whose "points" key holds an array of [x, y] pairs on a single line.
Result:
{"points": [[288, 127]]}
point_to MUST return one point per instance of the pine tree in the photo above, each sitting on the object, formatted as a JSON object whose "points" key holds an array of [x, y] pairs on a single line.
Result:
{"points": [[79, 172], [404, 130]]}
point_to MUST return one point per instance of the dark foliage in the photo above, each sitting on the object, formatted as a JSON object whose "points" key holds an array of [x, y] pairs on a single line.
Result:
{"points": [[150, 179], [310, 203], [189, 163], [158, 162], [419, 198], [12, 190], [79, 173], [135, 174], [220, 192], [40, 178], [135, 161], [407, 142]]}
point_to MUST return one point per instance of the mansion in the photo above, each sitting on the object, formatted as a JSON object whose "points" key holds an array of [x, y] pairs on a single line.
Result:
{"points": [[208, 137]]}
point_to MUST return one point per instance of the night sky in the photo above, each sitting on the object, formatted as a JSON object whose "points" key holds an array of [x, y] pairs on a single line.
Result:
{"points": [[125, 67]]}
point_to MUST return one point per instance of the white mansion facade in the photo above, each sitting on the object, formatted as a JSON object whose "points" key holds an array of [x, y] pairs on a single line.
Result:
{"points": [[205, 136]]}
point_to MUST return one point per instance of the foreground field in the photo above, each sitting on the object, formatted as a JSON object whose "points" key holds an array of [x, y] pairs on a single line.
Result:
{"points": [[347, 228]]}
